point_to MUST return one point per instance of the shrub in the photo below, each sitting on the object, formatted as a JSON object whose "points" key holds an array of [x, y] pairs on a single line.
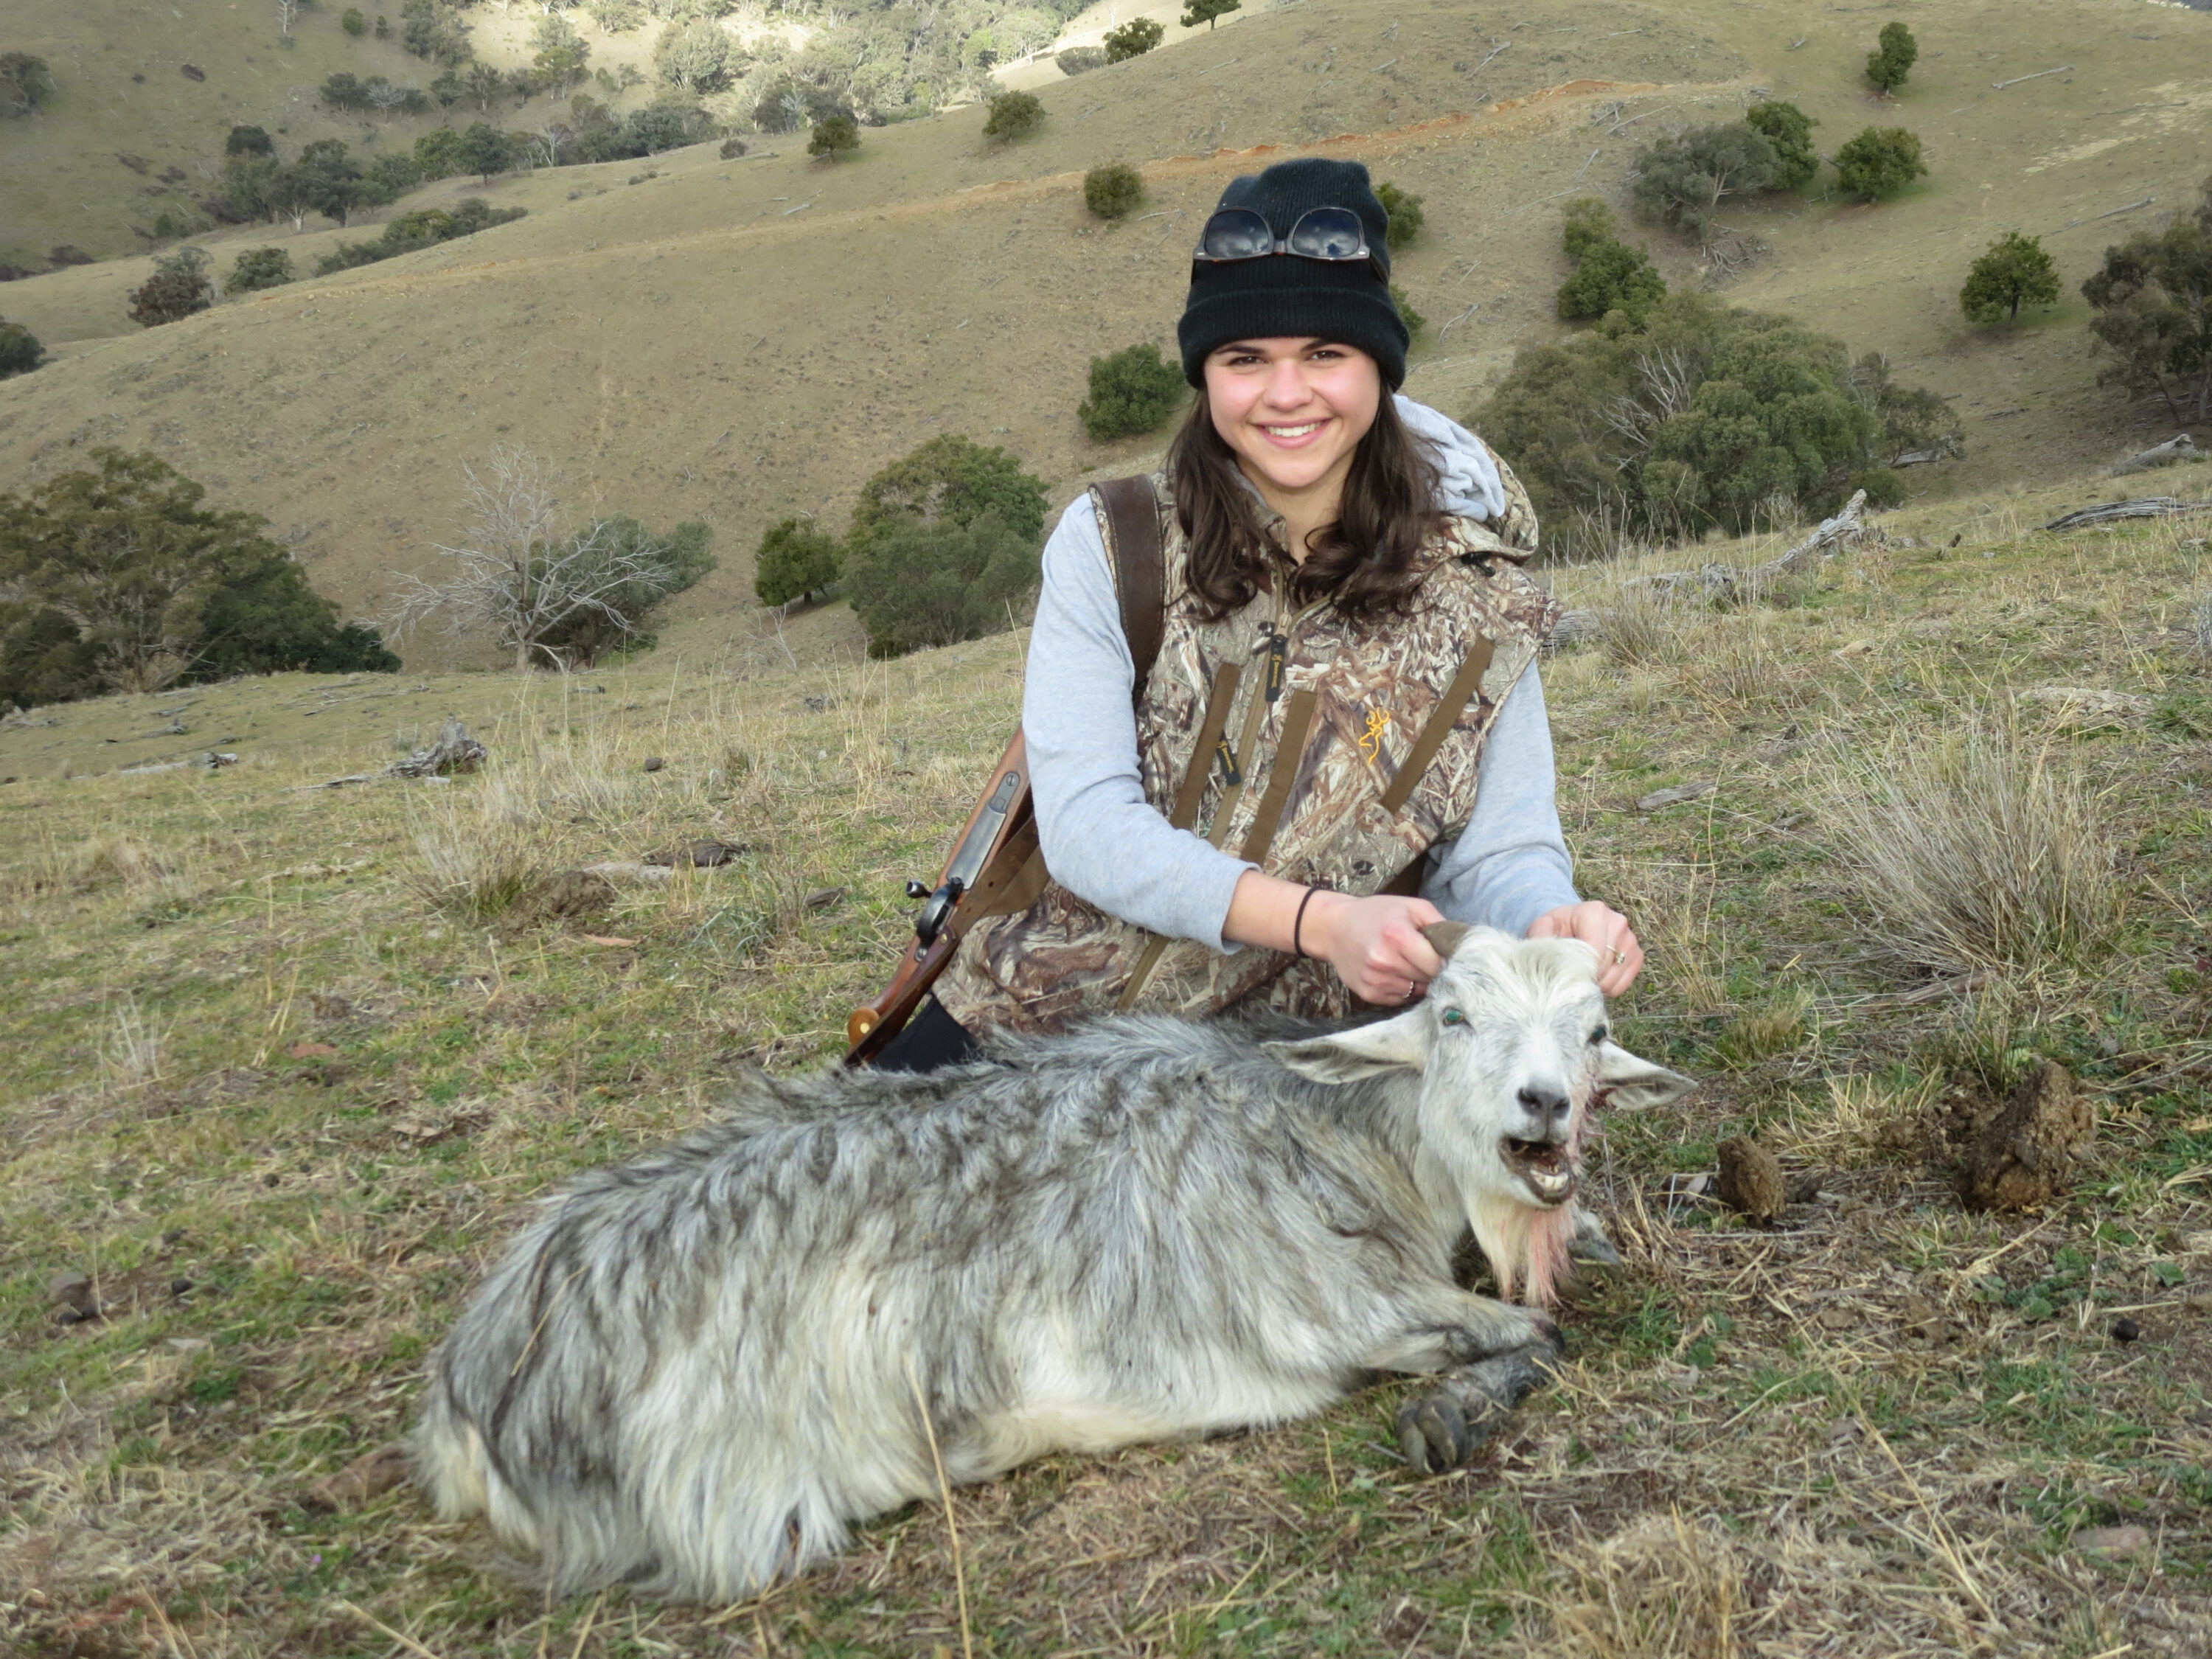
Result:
{"points": [[1133, 38], [695, 56], [178, 287], [150, 587], [617, 16], [1682, 180], [917, 583], [834, 136], [1404, 211], [954, 479], [796, 561], [1789, 130], [1081, 60], [2014, 271], [1892, 58], [1708, 416], [1208, 12], [259, 268], [2153, 301], [1013, 115], [248, 140], [732, 148], [1880, 162], [353, 22], [428, 29], [424, 227], [1132, 390], [1113, 191], [1609, 275], [673, 563], [20, 350], [1414, 321], [26, 83]]}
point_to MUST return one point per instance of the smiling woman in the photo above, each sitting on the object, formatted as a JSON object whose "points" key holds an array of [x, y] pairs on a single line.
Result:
{"points": [[1340, 739]]}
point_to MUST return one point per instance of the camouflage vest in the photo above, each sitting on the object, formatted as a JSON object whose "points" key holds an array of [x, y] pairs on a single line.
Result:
{"points": [[1328, 751]]}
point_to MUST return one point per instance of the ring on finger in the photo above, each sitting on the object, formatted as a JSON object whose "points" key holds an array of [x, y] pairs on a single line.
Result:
{"points": [[1620, 956]]}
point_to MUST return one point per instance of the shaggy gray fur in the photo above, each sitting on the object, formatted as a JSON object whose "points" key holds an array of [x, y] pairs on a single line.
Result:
{"points": [[692, 1373]]}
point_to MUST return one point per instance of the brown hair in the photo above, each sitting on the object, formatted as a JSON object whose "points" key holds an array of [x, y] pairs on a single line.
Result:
{"points": [[1364, 562]]}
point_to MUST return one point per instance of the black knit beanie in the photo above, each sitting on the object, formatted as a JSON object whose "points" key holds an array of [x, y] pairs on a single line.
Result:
{"points": [[1283, 294]]}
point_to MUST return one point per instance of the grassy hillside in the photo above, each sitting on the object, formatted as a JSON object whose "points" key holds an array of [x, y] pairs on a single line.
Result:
{"points": [[283, 1074], [740, 341]]}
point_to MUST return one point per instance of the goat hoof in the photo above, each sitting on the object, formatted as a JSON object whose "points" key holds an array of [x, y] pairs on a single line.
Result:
{"points": [[1594, 1251], [1433, 1434]]}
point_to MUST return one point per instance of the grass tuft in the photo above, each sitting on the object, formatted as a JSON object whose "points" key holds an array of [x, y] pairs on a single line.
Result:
{"points": [[1976, 847]]}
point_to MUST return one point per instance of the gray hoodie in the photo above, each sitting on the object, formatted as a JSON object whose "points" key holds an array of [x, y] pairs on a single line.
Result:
{"points": [[1105, 842]]}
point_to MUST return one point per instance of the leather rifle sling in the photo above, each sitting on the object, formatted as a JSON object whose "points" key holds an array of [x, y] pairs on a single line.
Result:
{"points": [[1442, 719], [1128, 514]]}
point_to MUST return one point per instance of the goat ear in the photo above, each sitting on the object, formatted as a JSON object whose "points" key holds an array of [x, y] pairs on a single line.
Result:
{"points": [[1446, 937], [1397, 1044], [1634, 1085]]}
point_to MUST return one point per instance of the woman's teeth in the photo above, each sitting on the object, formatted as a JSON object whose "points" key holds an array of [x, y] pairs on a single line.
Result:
{"points": [[1293, 431]]}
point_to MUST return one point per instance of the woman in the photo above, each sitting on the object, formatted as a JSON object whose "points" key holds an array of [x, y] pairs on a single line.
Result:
{"points": [[1343, 738]]}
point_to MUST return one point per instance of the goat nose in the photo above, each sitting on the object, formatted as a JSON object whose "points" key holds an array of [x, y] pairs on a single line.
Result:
{"points": [[1547, 1105]]}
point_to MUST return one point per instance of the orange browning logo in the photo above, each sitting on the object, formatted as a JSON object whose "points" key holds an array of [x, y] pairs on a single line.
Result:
{"points": [[1378, 723]]}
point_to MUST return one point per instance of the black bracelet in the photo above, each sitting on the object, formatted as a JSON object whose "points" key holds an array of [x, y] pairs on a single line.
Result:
{"points": [[1299, 922]]}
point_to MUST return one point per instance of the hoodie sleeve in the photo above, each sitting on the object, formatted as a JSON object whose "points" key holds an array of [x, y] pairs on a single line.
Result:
{"points": [[1103, 839], [1511, 864]]}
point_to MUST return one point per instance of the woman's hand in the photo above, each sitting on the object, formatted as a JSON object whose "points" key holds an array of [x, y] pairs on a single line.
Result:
{"points": [[1373, 943], [1620, 957]]}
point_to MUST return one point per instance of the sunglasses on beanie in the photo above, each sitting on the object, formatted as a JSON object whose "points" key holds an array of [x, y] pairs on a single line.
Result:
{"points": [[1331, 234]]}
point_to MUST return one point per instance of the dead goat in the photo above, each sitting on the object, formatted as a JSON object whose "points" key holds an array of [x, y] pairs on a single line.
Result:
{"points": [[692, 1374]]}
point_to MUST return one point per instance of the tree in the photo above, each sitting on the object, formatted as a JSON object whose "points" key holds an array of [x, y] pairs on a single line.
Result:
{"points": [[1892, 58], [1133, 38], [1207, 12], [353, 22], [835, 137], [1789, 130], [1113, 191], [1682, 180], [676, 563], [1706, 416], [560, 52], [258, 268], [327, 181], [918, 583], [1132, 390], [26, 83], [428, 29], [386, 96], [796, 561], [618, 16], [1403, 211], [523, 577], [485, 151], [1609, 276], [248, 140], [19, 349], [2014, 271], [695, 56], [2153, 302], [126, 574], [1013, 115], [1878, 163], [953, 479], [424, 227], [178, 287], [287, 13]]}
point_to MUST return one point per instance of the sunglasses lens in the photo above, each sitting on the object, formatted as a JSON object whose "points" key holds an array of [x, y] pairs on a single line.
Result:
{"points": [[1235, 233], [1327, 233]]}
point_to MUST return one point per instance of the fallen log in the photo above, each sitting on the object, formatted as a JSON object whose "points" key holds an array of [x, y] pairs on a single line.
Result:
{"points": [[2180, 448], [2143, 506]]}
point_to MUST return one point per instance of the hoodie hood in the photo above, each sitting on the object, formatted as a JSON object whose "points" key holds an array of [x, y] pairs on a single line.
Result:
{"points": [[1469, 486]]}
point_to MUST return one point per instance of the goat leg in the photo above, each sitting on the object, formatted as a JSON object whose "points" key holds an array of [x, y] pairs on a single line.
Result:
{"points": [[1441, 1427]]}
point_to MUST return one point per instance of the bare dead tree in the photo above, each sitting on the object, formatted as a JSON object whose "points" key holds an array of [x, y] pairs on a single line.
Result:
{"points": [[386, 96], [287, 13], [521, 573]]}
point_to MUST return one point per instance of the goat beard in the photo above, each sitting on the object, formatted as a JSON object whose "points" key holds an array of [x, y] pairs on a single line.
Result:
{"points": [[1527, 1246]]}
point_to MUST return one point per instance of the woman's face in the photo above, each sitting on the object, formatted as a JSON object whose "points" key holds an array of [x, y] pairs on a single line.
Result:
{"points": [[1293, 410]]}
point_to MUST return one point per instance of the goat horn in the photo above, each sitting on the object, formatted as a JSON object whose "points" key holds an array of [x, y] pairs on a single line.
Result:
{"points": [[1445, 938]]}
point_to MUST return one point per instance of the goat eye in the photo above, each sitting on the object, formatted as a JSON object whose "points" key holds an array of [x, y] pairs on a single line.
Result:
{"points": [[1599, 1036], [1455, 1017]]}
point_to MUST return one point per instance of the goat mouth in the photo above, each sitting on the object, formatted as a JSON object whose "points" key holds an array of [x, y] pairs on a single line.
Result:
{"points": [[1544, 1166]]}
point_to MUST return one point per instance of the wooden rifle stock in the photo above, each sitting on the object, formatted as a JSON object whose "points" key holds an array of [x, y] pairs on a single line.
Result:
{"points": [[872, 1025]]}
